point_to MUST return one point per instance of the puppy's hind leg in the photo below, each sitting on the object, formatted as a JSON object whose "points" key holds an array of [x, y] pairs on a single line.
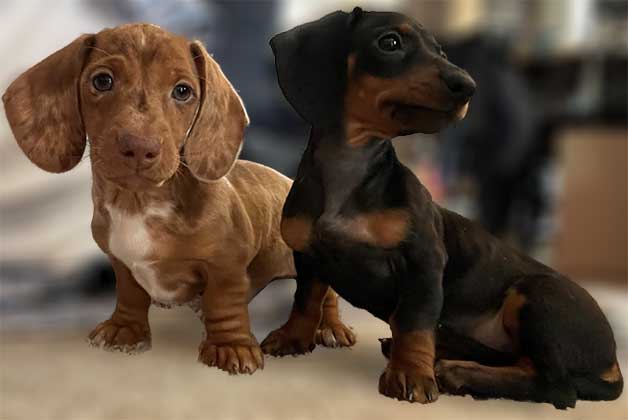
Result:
{"points": [[455, 346], [519, 382], [332, 332]]}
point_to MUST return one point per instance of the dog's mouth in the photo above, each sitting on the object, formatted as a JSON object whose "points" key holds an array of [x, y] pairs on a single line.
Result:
{"points": [[136, 181], [407, 113], [419, 118]]}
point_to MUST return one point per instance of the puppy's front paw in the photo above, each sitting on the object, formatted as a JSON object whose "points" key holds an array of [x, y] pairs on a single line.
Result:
{"points": [[131, 338], [408, 386], [335, 335], [231, 358], [283, 342]]}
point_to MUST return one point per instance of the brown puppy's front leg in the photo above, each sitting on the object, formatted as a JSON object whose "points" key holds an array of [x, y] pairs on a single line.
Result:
{"points": [[127, 330], [297, 335], [229, 344]]}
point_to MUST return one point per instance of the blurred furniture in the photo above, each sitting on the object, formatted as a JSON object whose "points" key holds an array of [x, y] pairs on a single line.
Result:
{"points": [[592, 210]]}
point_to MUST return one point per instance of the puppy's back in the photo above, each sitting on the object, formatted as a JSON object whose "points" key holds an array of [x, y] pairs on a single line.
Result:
{"points": [[262, 189], [247, 175]]}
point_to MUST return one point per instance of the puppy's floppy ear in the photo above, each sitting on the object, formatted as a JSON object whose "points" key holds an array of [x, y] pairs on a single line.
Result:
{"points": [[355, 15], [215, 140], [43, 108], [311, 64]]}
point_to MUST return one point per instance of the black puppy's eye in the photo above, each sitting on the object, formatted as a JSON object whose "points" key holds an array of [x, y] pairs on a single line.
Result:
{"points": [[181, 92], [389, 43], [102, 82]]}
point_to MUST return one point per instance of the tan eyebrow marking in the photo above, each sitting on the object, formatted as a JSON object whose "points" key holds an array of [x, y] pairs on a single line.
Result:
{"points": [[405, 28]]}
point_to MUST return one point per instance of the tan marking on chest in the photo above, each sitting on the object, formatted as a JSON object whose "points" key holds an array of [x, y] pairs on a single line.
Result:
{"points": [[386, 228], [613, 374], [131, 242], [296, 232]]}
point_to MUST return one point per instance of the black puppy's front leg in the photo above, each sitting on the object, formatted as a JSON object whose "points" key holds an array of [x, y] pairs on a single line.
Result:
{"points": [[409, 375], [297, 335]]}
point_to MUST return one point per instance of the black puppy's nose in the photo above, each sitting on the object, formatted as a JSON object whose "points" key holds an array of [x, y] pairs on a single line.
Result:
{"points": [[137, 151], [460, 84]]}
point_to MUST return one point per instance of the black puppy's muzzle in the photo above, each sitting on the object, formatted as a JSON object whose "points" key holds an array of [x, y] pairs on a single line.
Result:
{"points": [[461, 86]]}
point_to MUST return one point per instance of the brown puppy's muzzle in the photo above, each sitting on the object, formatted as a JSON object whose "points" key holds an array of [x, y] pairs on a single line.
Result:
{"points": [[139, 152]]}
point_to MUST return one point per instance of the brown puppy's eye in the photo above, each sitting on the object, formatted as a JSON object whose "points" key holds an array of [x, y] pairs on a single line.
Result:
{"points": [[389, 43], [182, 92], [102, 82]]}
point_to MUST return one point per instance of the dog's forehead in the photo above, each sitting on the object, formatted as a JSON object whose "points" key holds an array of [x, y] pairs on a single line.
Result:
{"points": [[374, 21], [146, 42]]}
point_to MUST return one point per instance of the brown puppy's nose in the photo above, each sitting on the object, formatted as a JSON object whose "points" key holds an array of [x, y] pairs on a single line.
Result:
{"points": [[461, 86], [140, 152]]}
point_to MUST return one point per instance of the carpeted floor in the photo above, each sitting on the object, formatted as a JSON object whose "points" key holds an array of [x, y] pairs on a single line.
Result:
{"points": [[53, 374]]}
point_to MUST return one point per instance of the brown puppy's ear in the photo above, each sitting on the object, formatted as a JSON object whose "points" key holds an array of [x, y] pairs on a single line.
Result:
{"points": [[311, 64], [215, 139], [43, 109]]}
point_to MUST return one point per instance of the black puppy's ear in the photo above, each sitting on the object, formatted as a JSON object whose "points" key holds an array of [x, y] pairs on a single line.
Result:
{"points": [[355, 15], [311, 63]]}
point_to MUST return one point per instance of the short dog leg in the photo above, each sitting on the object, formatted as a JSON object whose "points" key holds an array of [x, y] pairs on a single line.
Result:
{"points": [[409, 375], [332, 332], [297, 336], [410, 372], [229, 343], [127, 330], [517, 382]]}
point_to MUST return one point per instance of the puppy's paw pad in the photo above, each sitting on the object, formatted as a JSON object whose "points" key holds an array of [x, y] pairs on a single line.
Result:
{"points": [[408, 386], [231, 358], [281, 343], [124, 338], [335, 335]]}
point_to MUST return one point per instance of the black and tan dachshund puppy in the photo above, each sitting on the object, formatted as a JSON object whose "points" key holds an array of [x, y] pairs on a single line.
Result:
{"points": [[498, 323]]}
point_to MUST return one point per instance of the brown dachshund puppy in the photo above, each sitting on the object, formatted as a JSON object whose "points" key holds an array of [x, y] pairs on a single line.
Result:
{"points": [[181, 219]]}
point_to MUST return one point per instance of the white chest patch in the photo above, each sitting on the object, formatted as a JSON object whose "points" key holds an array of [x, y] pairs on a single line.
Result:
{"points": [[130, 242]]}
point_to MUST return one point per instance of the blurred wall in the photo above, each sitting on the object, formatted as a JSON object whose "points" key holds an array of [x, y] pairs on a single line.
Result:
{"points": [[43, 217]]}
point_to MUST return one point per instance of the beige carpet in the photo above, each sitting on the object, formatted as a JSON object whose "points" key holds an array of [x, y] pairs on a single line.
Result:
{"points": [[57, 376]]}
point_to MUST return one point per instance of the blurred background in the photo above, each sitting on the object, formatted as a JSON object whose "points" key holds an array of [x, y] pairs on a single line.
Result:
{"points": [[540, 160]]}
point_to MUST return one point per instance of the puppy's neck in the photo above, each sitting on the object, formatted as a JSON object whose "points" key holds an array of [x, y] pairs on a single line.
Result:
{"points": [[334, 146], [183, 191], [345, 169]]}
